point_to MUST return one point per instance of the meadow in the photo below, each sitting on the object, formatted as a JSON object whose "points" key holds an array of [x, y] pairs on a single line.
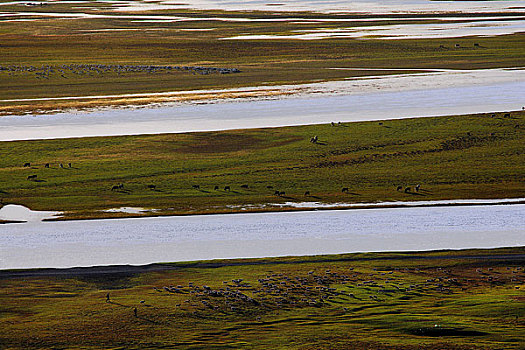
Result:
{"points": [[471, 299], [453, 157]]}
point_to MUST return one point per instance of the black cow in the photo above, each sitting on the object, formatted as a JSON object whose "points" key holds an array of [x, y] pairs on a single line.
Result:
{"points": [[227, 188], [196, 187], [27, 165], [344, 190]]}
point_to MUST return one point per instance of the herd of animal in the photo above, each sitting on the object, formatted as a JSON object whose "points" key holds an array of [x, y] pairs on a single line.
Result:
{"points": [[228, 188], [343, 286], [47, 166], [68, 70]]}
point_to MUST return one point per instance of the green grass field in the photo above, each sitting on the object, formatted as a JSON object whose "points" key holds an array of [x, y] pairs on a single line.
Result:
{"points": [[455, 157], [435, 300]]}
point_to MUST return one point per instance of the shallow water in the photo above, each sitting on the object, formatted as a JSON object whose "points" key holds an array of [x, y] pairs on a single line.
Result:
{"points": [[146, 240], [353, 6], [361, 99], [402, 31]]}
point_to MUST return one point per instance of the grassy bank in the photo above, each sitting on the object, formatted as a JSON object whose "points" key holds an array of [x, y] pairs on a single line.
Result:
{"points": [[455, 157], [435, 300]]}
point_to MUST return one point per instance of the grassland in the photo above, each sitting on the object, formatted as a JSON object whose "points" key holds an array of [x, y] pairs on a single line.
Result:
{"points": [[435, 300], [197, 40], [455, 157]]}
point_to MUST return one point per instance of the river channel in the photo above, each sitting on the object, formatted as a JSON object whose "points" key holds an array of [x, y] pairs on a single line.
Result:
{"points": [[161, 239]]}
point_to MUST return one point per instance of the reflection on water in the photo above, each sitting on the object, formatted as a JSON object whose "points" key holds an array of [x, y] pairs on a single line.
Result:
{"points": [[146, 240]]}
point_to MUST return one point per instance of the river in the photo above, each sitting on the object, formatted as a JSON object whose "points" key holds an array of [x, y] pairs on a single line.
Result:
{"points": [[162, 239], [361, 99]]}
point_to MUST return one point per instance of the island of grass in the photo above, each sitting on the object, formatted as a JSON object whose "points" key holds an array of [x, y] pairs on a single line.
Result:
{"points": [[38, 51], [470, 299], [476, 156]]}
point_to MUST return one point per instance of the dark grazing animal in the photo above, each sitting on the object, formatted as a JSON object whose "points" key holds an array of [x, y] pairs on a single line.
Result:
{"points": [[46, 165], [216, 188], [196, 187], [344, 190], [31, 177], [307, 193], [26, 165], [115, 187], [152, 187], [407, 189], [399, 188], [226, 188], [244, 186]]}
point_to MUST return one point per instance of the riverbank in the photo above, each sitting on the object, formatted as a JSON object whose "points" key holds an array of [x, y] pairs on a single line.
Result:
{"points": [[454, 300]]}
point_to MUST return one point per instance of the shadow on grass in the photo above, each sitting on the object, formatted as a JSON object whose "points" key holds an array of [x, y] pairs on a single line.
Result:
{"points": [[444, 332]]}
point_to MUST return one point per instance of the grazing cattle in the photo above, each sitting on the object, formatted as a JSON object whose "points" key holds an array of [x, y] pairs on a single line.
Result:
{"points": [[345, 190], [227, 188], [31, 177], [269, 187], [457, 45], [407, 189], [120, 186], [380, 123], [332, 123], [196, 187], [418, 186], [152, 187], [26, 165], [244, 186], [307, 193], [314, 139], [399, 188], [282, 193], [69, 165], [506, 115], [47, 165], [115, 187], [476, 45], [277, 193], [216, 188], [61, 166]]}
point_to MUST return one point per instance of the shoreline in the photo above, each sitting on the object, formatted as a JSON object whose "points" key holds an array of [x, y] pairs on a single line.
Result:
{"points": [[292, 210], [277, 260], [275, 208]]}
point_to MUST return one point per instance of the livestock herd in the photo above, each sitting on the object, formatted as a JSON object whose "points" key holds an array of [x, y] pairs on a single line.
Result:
{"points": [[71, 70], [343, 287]]}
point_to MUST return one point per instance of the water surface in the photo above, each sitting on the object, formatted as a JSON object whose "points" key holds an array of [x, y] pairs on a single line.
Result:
{"points": [[147, 240]]}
